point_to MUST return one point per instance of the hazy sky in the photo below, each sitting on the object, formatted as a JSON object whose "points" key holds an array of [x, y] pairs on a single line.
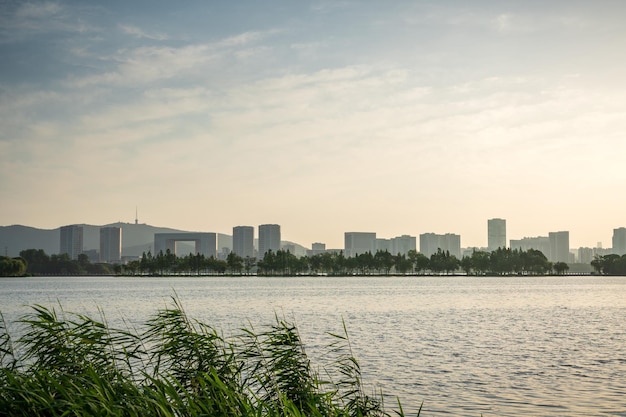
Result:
{"points": [[401, 117]]}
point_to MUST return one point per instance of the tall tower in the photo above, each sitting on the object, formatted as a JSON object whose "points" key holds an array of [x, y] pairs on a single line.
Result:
{"points": [[269, 239], [110, 244], [71, 241], [496, 234], [243, 241], [619, 241], [559, 246]]}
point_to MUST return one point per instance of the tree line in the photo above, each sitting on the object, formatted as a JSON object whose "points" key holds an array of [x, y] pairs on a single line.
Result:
{"points": [[284, 263], [503, 261], [38, 262]]}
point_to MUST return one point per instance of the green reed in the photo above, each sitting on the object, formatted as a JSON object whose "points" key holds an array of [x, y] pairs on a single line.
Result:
{"points": [[68, 364]]}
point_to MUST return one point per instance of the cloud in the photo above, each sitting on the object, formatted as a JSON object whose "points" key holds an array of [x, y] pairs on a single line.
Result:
{"points": [[147, 64], [30, 19], [141, 34]]}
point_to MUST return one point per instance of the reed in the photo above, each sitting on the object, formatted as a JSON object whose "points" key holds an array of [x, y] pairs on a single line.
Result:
{"points": [[68, 364]]}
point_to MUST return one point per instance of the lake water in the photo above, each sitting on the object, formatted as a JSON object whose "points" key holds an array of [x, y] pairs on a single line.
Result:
{"points": [[542, 346]]}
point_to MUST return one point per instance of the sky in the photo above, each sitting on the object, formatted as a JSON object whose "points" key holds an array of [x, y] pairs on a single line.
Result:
{"points": [[325, 117]]}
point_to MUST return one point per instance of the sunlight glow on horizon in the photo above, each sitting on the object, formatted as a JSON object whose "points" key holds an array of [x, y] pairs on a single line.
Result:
{"points": [[409, 119]]}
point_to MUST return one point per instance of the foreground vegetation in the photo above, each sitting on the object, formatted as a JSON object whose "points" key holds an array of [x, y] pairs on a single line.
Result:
{"points": [[72, 365]]}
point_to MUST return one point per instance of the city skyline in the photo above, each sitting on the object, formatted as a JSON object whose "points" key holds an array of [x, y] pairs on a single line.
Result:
{"points": [[243, 236], [416, 117]]}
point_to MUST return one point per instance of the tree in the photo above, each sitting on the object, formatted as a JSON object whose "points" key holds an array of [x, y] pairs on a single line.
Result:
{"points": [[443, 262], [402, 264], [234, 262], [420, 261], [560, 268], [248, 264], [37, 260], [466, 264], [383, 261], [12, 267], [480, 262]]}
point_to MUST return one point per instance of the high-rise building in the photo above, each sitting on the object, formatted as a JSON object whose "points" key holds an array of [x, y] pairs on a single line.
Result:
{"points": [[559, 247], [496, 234], [540, 243], [619, 241], [71, 241], [243, 241], [403, 244], [585, 255], [110, 244], [269, 239], [359, 242], [383, 245], [431, 242]]}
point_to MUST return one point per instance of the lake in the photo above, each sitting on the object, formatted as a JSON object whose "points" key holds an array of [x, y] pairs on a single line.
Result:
{"points": [[464, 346]]}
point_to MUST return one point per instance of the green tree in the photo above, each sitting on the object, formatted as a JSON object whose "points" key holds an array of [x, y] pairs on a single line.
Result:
{"points": [[383, 261], [420, 261], [466, 264], [442, 261], [235, 263], [560, 268], [37, 260], [12, 267], [481, 262], [403, 264]]}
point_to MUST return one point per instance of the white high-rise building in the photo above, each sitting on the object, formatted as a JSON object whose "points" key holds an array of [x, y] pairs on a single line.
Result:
{"points": [[619, 241], [71, 241], [431, 242], [110, 244], [559, 247], [359, 242], [243, 241], [269, 239], [496, 234]]}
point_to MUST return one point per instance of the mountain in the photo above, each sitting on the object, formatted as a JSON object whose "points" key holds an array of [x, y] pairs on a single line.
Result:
{"points": [[136, 239], [14, 239]]}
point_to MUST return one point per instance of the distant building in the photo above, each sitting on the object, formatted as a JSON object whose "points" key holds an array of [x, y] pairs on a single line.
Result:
{"points": [[383, 245], [205, 243], [540, 243], [431, 242], [403, 244], [359, 242], [316, 249], [397, 245], [269, 239], [496, 234], [619, 241], [559, 247], [585, 255], [243, 241], [71, 241], [111, 244]]}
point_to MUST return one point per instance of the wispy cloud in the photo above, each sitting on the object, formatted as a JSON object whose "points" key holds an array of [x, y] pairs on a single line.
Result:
{"points": [[141, 34], [36, 18]]}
